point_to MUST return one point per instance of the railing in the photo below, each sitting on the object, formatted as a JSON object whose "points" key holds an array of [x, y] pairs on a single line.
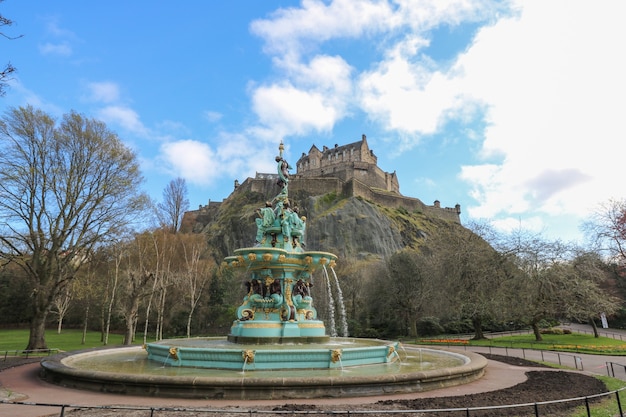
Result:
{"points": [[27, 353], [527, 409], [532, 354], [610, 368], [553, 356]]}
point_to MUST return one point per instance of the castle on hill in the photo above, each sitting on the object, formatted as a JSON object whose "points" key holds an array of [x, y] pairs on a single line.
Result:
{"points": [[354, 161], [350, 170]]}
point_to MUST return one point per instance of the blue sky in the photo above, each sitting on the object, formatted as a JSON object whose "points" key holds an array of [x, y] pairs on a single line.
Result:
{"points": [[512, 109]]}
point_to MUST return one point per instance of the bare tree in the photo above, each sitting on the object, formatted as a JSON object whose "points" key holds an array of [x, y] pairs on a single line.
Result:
{"points": [[472, 276], [607, 228], [61, 305], [63, 191], [112, 285], [175, 204], [8, 70], [557, 281], [196, 271], [409, 286]]}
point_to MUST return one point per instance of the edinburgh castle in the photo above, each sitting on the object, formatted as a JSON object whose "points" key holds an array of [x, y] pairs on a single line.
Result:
{"points": [[349, 170]]}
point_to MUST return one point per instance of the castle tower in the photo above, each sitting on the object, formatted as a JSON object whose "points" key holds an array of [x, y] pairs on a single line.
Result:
{"points": [[354, 161]]}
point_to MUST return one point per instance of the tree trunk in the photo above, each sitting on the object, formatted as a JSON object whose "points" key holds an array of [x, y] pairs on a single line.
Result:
{"points": [[85, 324], [537, 333], [37, 337], [131, 320], [478, 328], [189, 323], [595, 328]]}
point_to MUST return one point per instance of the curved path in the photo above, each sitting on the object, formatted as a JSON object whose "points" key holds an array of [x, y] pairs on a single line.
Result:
{"points": [[22, 384]]}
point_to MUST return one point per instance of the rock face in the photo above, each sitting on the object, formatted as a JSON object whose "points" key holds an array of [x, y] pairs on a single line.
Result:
{"points": [[352, 227], [347, 226]]}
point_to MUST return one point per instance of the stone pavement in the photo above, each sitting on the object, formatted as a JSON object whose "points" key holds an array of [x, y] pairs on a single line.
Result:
{"points": [[22, 384]]}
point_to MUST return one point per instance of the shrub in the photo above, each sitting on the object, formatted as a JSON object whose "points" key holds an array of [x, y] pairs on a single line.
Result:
{"points": [[429, 326], [552, 330]]}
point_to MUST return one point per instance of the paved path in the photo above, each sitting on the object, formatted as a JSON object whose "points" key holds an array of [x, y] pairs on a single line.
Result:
{"points": [[22, 384]]}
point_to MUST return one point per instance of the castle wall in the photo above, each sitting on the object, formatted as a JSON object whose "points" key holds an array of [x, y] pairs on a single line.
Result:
{"points": [[359, 189], [362, 171], [204, 215], [266, 184]]}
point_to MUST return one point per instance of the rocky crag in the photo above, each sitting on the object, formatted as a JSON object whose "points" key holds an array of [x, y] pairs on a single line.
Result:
{"points": [[348, 208]]}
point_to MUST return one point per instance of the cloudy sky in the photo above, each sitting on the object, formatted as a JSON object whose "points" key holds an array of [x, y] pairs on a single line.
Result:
{"points": [[511, 109]]}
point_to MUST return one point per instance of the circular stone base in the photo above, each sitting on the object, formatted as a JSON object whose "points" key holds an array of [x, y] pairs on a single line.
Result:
{"points": [[72, 370]]}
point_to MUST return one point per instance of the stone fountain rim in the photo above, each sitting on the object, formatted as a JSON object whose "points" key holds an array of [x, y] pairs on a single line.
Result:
{"points": [[55, 366]]}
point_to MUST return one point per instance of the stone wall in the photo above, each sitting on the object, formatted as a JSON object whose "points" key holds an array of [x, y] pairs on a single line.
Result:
{"points": [[358, 189]]}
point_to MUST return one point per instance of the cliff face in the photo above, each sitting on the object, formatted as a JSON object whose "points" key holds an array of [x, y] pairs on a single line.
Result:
{"points": [[350, 227]]}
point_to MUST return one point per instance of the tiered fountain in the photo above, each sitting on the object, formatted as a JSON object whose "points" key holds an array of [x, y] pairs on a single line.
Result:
{"points": [[277, 346]]}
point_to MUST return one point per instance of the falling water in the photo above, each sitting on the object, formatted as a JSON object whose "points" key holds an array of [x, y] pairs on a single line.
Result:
{"points": [[331, 305], [342, 307]]}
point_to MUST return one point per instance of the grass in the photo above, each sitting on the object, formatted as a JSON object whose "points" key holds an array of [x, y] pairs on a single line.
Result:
{"points": [[608, 406], [12, 340], [575, 342]]}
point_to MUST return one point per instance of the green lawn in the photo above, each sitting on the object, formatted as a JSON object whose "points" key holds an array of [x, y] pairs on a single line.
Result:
{"points": [[575, 342], [12, 340]]}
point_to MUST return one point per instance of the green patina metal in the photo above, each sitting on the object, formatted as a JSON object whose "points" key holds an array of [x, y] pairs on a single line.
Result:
{"points": [[278, 307]]}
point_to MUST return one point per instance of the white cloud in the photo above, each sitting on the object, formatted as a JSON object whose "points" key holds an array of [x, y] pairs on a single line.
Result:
{"points": [[290, 31], [294, 110], [126, 117], [105, 91], [404, 96], [213, 116], [195, 161], [61, 49], [316, 92], [235, 157], [552, 80], [63, 39]]}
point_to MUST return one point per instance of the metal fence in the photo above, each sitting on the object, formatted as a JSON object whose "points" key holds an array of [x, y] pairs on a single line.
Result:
{"points": [[552, 356], [28, 353], [537, 409]]}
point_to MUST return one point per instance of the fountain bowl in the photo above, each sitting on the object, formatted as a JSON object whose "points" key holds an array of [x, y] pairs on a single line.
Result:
{"points": [[127, 370]]}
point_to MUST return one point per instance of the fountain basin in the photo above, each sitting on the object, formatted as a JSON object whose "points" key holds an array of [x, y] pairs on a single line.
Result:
{"points": [[216, 354], [128, 371]]}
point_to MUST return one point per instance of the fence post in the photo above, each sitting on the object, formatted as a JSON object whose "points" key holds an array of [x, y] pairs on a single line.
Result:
{"points": [[619, 403], [587, 406], [536, 410]]}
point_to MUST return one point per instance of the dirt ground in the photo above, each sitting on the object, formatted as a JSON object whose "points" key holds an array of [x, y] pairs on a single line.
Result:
{"points": [[540, 386]]}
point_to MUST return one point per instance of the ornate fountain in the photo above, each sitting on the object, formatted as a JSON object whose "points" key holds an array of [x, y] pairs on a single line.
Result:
{"points": [[277, 347], [278, 307]]}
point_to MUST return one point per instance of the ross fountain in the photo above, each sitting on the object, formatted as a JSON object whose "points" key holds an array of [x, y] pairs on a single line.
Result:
{"points": [[277, 346]]}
